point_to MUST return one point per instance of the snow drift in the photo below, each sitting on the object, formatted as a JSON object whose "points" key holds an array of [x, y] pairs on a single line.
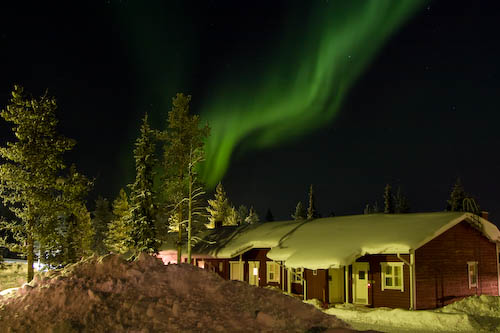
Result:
{"points": [[109, 294]]}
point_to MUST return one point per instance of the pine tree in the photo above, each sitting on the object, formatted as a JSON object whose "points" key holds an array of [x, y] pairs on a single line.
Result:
{"points": [[252, 217], [143, 237], [311, 210], [117, 237], [269, 215], [457, 196], [183, 135], [242, 214], [102, 217], [388, 200], [300, 212], [218, 209], [30, 169]]}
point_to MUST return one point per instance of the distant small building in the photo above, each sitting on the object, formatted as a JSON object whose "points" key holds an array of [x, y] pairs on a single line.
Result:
{"points": [[412, 261]]}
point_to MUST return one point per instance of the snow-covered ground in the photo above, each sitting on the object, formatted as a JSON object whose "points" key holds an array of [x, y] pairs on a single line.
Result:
{"points": [[109, 294], [472, 314]]}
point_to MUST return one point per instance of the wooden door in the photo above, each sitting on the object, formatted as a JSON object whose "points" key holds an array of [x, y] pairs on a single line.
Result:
{"points": [[253, 273], [360, 284]]}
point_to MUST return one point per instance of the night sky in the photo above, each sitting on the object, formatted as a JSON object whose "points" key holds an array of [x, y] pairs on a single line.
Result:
{"points": [[420, 112]]}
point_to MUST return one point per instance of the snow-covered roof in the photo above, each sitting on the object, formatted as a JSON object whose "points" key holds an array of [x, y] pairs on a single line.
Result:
{"points": [[333, 241]]}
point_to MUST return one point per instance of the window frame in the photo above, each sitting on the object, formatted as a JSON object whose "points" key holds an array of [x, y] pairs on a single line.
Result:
{"points": [[277, 272], [471, 264], [383, 275], [297, 275]]}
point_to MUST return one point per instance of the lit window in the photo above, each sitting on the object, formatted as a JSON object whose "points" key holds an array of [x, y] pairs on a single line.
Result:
{"points": [[392, 275], [236, 270], [221, 266], [472, 270], [315, 272], [297, 275], [273, 271]]}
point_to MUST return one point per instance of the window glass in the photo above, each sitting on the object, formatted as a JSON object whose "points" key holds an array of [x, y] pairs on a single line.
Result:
{"points": [[388, 281], [472, 267], [392, 275], [361, 275]]}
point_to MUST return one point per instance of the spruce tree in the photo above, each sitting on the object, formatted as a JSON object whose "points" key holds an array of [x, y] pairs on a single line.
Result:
{"points": [[367, 210], [232, 217], [401, 205], [311, 210], [388, 200], [143, 237], [242, 214], [269, 215], [252, 217], [66, 235], [300, 212], [102, 217], [218, 209], [31, 165], [183, 134], [457, 196], [119, 229]]}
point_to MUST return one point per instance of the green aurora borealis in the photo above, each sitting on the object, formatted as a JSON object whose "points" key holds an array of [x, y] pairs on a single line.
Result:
{"points": [[303, 85], [274, 95]]}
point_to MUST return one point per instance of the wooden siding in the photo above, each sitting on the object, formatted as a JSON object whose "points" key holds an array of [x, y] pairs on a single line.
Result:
{"points": [[214, 265], [441, 267], [317, 285], [386, 298]]}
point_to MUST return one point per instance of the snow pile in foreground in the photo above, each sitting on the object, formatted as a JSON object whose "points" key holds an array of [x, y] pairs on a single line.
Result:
{"points": [[109, 294], [472, 314]]}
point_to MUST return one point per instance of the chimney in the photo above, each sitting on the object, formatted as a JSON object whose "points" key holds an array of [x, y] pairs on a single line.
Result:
{"points": [[484, 215]]}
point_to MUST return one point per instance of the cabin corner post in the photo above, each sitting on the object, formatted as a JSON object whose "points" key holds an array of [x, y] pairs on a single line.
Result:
{"points": [[346, 293], [288, 280], [413, 281]]}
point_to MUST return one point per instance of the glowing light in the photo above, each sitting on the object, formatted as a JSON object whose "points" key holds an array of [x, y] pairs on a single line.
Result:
{"points": [[303, 86], [255, 271]]}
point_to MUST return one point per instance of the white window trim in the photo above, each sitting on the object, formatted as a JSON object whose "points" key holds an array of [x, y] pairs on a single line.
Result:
{"points": [[383, 265], [240, 268], [469, 265], [277, 272]]}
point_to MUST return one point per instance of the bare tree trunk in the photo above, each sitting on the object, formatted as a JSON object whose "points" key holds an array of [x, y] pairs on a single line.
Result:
{"points": [[30, 257], [190, 215], [179, 241]]}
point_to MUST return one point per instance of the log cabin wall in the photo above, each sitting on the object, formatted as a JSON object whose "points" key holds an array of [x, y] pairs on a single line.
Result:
{"points": [[388, 297], [441, 267]]}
